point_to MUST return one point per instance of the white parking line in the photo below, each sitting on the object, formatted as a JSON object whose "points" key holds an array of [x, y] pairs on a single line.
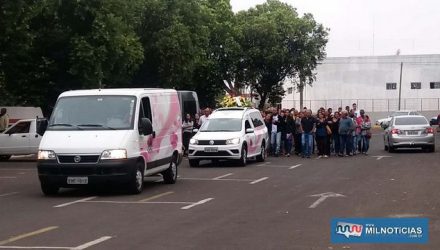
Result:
{"points": [[92, 243], [39, 247], [197, 203], [210, 179], [77, 201], [14, 169], [141, 202], [7, 194], [80, 247], [259, 180], [297, 165], [219, 177], [27, 235]]}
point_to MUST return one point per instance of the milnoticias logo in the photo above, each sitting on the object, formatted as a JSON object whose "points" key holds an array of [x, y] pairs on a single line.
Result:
{"points": [[349, 229], [380, 230]]}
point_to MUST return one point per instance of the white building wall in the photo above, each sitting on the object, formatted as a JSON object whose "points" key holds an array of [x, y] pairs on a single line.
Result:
{"points": [[345, 80]]}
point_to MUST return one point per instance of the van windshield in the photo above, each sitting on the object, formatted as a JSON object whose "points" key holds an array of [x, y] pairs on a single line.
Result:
{"points": [[221, 125], [93, 113]]}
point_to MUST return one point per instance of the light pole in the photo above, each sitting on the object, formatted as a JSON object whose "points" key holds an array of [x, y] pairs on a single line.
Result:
{"points": [[400, 83]]}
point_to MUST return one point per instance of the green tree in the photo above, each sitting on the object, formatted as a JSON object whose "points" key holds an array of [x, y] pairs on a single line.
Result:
{"points": [[188, 45], [69, 45], [276, 44]]}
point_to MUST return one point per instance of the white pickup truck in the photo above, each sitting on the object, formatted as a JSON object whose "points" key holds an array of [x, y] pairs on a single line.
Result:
{"points": [[22, 138]]}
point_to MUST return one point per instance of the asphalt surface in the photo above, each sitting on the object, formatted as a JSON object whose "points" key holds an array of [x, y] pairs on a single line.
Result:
{"points": [[260, 206]]}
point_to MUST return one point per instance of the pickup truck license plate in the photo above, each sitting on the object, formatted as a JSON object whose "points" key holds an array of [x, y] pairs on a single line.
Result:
{"points": [[77, 180], [211, 149]]}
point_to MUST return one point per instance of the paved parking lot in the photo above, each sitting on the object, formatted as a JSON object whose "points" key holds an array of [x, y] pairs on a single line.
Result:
{"points": [[284, 203]]}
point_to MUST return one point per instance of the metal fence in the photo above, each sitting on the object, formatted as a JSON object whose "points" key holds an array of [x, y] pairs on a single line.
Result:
{"points": [[370, 105]]}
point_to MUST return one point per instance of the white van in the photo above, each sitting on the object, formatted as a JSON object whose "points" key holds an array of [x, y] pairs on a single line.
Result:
{"points": [[111, 135], [230, 133]]}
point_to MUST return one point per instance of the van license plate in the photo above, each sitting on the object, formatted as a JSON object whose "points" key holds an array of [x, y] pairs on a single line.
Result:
{"points": [[211, 150], [77, 180]]}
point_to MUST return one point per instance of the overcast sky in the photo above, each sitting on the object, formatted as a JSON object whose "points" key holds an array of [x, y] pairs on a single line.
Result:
{"points": [[372, 27]]}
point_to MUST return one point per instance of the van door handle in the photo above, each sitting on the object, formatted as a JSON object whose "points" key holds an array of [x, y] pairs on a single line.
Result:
{"points": [[36, 136], [23, 136]]}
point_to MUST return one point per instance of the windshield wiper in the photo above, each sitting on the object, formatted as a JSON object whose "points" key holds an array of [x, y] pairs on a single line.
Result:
{"points": [[96, 125], [64, 125]]}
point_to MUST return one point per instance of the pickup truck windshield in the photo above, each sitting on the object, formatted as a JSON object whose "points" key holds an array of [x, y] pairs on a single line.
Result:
{"points": [[221, 125], [93, 113]]}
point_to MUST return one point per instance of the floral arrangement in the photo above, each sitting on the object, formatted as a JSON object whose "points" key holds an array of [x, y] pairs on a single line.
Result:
{"points": [[238, 101]]}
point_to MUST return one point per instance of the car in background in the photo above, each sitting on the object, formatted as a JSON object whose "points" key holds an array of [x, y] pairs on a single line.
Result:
{"points": [[433, 121], [409, 131], [396, 113], [22, 138], [230, 134], [18, 113]]}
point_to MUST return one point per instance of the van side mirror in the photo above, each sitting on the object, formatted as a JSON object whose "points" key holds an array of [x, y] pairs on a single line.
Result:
{"points": [[41, 126], [145, 126], [249, 130], [195, 130]]}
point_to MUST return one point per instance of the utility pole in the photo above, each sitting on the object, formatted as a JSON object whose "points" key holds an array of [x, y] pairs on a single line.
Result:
{"points": [[400, 83]]}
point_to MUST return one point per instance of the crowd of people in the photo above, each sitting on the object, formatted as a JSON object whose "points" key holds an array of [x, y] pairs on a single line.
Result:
{"points": [[300, 132], [340, 133]]}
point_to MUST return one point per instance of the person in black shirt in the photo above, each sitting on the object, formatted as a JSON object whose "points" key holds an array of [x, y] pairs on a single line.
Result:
{"points": [[308, 126]]}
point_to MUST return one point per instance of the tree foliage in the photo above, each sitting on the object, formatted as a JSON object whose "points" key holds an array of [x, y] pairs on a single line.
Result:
{"points": [[49, 46], [278, 44]]}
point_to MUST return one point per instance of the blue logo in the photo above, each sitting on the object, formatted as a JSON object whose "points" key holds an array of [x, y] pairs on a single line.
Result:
{"points": [[380, 230]]}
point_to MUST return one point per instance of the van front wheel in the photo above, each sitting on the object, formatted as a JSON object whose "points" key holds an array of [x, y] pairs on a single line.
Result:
{"points": [[170, 175], [49, 189], [136, 183]]}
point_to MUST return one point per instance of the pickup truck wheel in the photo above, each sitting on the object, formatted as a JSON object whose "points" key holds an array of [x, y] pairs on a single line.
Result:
{"points": [[136, 183], [243, 159], [49, 189], [4, 157], [262, 156], [170, 175], [194, 163]]}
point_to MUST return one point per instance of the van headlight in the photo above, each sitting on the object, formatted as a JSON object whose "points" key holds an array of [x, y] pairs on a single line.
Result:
{"points": [[46, 155], [233, 141], [114, 154], [193, 141]]}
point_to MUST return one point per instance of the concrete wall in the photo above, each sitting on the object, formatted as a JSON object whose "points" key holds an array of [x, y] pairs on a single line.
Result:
{"points": [[344, 80]]}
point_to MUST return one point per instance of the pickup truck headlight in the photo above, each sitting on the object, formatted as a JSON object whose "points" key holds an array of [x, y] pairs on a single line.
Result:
{"points": [[46, 155], [114, 154], [233, 141], [193, 141]]}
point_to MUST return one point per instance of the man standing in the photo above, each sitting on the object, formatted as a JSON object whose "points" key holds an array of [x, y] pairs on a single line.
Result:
{"points": [[356, 112], [275, 138], [345, 130], [308, 126], [365, 131], [4, 120], [204, 117]]}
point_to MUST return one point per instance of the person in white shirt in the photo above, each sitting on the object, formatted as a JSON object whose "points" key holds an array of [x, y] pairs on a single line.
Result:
{"points": [[187, 127], [204, 117]]}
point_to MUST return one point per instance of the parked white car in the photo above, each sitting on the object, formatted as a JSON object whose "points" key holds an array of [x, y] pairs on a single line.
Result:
{"points": [[230, 133], [382, 121], [22, 138]]}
